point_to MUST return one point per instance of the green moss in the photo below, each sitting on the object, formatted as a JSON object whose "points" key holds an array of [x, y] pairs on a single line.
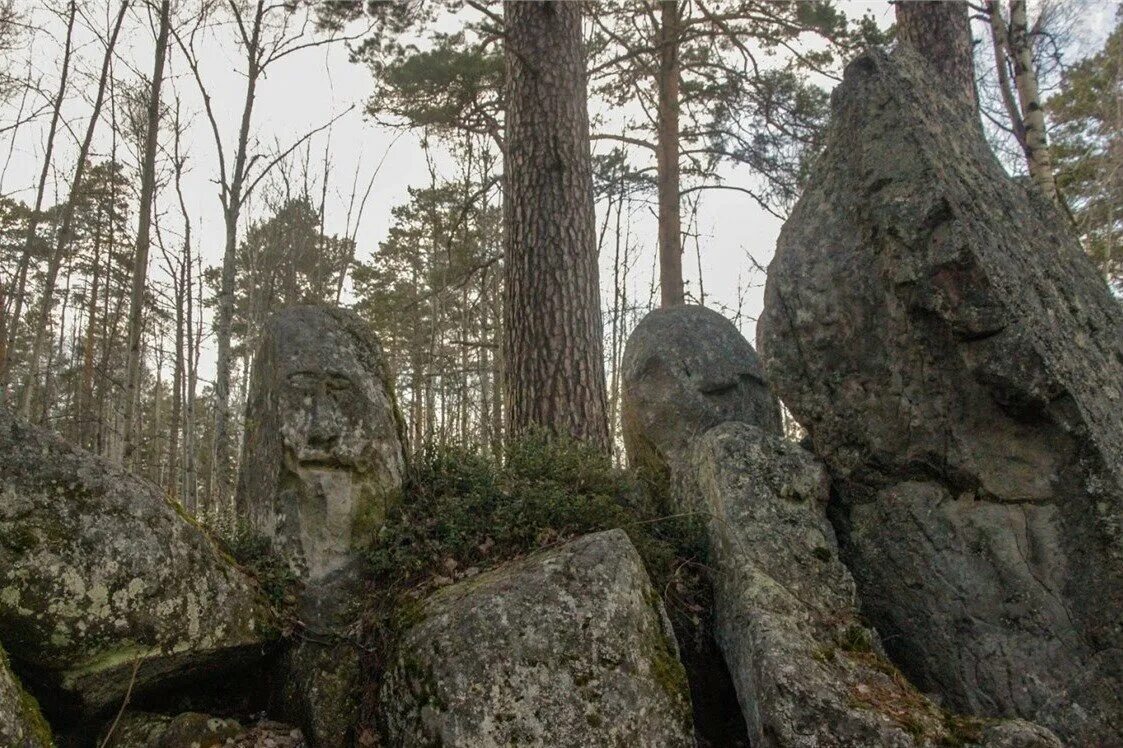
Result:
{"points": [[29, 712], [254, 552], [461, 509]]}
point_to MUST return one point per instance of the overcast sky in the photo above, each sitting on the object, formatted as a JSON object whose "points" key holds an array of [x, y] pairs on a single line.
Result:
{"points": [[306, 90]]}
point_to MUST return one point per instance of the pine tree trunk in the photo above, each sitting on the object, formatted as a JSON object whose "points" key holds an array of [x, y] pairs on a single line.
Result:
{"points": [[667, 147], [552, 338], [42, 322], [8, 327], [143, 234], [940, 30]]}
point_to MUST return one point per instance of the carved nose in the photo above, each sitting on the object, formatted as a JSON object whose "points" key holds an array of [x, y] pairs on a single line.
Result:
{"points": [[323, 432]]}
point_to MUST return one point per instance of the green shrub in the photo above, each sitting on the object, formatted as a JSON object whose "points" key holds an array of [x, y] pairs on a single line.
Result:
{"points": [[463, 510]]}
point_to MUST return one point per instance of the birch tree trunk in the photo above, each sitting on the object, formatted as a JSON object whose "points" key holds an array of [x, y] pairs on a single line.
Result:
{"points": [[553, 357], [1038, 158], [143, 235]]}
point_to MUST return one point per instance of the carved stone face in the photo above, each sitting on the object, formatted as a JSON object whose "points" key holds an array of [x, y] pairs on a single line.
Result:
{"points": [[320, 482]]}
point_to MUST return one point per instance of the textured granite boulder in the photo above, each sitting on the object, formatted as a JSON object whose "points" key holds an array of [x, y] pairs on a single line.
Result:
{"points": [[99, 572], [21, 724], [568, 647], [807, 671], [686, 369], [958, 363], [323, 450], [194, 730]]}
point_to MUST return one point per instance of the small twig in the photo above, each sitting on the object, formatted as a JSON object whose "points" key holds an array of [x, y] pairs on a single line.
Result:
{"points": [[124, 703]]}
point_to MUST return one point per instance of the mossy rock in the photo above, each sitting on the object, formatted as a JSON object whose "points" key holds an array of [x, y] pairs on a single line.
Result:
{"points": [[569, 646], [21, 724]]}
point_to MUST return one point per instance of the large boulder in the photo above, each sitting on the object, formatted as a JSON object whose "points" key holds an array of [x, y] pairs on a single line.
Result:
{"points": [[807, 671], [21, 723], [958, 364], [686, 369], [570, 646], [105, 584], [323, 453]]}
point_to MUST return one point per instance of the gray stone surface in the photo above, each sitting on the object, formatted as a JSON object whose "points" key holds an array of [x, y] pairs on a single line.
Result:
{"points": [[136, 729], [99, 571], [21, 723], [567, 647], [685, 370], [323, 460], [323, 452], [807, 671], [958, 363]]}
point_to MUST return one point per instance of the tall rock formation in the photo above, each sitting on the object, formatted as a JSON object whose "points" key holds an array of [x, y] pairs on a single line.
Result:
{"points": [[323, 460], [958, 363]]}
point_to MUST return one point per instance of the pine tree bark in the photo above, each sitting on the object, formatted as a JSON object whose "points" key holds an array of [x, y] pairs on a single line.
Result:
{"points": [[553, 352], [667, 158], [144, 233], [940, 31]]}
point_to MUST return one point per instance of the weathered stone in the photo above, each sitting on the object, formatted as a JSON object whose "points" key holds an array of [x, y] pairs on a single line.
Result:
{"points": [[686, 369], [569, 646], [323, 450], [323, 460], [321, 674], [194, 730], [21, 724], [100, 572], [958, 363], [808, 672]]}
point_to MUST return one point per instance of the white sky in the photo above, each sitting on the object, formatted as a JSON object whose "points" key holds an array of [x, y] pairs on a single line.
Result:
{"points": [[303, 92]]}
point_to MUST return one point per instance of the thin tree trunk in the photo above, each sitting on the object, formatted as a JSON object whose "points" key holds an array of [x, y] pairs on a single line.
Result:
{"points": [[87, 382], [940, 31], [223, 465], [553, 350], [999, 36], [63, 238], [1038, 158], [672, 292], [143, 234], [8, 328]]}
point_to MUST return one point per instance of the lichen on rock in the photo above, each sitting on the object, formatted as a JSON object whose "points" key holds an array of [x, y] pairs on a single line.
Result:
{"points": [[958, 364], [100, 575], [569, 646]]}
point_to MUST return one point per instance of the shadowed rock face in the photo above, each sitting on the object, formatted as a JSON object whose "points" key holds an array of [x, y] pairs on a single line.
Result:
{"points": [[100, 573], [808, 670], [686, 369], [21, 724], [323, 454], [567, 647], [958, 363]]}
